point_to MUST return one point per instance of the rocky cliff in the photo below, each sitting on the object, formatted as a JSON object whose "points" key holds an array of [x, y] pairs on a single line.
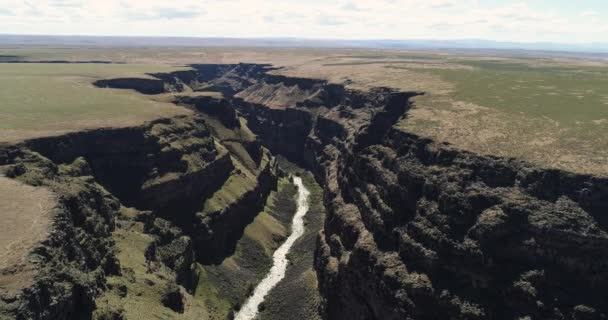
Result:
{"points": [[429, 232], [171, 170], [414, 229]]}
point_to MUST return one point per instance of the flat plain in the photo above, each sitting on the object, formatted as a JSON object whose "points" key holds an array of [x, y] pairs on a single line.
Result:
{"points": [[54, 98]]}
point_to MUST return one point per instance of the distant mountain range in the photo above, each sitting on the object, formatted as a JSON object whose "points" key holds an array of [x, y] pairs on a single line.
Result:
{"points": [[114, 41]]}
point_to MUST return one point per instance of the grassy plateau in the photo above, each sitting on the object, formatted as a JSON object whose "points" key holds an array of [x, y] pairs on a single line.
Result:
{"points": [[53, 98]]}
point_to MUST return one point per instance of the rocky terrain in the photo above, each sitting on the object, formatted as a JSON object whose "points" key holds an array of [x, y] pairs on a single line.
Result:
{"points": [[176, 173], [413, 229]]}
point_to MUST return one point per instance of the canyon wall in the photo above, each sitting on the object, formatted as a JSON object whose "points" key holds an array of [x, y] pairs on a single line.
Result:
{"points": [[418, 229], [168, 170], [423, 231]]}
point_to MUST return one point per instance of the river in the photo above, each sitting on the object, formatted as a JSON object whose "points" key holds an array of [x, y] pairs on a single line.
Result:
{"points": [[249, 310]]}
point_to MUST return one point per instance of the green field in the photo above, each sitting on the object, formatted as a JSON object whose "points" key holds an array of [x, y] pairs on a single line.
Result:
{"points": [[47, 99]]}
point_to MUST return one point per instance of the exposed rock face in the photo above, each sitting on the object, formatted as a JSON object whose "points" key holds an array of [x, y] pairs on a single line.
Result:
{"points": [[170, 167], [283, 131], [145, 86], [429, 232], [218, 108], [150, 167], [219, 230], [171, 248]]}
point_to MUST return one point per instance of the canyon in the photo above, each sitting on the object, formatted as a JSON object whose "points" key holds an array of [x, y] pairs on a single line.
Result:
{"points": [[410, 228]]}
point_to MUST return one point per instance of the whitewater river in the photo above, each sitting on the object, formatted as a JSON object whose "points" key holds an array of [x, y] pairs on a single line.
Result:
{"points": [[277, 272]]}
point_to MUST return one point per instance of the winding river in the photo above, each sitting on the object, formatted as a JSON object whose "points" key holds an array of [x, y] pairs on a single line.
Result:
{"points": [[250, 309]]}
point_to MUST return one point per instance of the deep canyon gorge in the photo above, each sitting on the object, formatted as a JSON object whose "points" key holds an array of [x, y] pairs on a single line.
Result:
{"points": [[400, 226]]}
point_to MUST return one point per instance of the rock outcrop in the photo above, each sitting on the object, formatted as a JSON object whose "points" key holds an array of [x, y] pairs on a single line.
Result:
{"points": [[72, 262]]}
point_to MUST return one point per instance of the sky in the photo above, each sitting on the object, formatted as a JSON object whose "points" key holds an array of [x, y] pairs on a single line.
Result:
{"points": [[562, 21]]}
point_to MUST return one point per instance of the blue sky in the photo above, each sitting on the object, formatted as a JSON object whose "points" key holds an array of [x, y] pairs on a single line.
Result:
{"points": [[523, 21]]}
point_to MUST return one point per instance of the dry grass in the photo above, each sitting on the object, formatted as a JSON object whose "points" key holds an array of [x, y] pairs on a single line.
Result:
{"points": [[26, 214], [51, 99]]}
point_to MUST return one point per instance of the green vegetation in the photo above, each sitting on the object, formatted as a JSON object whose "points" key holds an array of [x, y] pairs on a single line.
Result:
{"points": [[552, 111], [297, 297], [565, 94], [360, 63], [225, 286], [221, 288], [238, 184], [144, 292], [137, 292], [233, 140], [386, 56], [47, 99], [243, 178]]}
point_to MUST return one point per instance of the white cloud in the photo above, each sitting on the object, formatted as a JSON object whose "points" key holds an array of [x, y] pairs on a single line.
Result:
{"points": [[589, 13], [165, 13], [6, 12], [438, 4], [330, 20], [397, 19], [66, 3], [350, 6]]}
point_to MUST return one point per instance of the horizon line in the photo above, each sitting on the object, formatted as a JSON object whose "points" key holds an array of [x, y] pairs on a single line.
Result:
{"points": [[302, 38], [306, 42]]}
